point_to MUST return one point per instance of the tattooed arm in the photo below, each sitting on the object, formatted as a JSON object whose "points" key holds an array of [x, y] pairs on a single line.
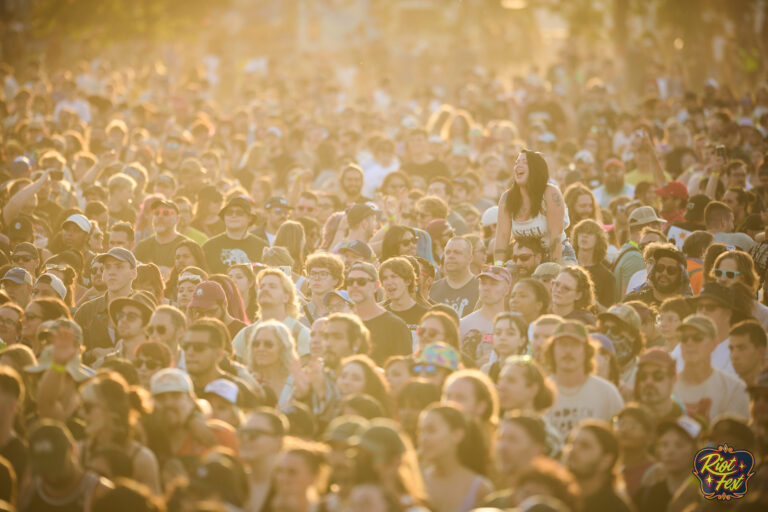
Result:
{"points": [[555, 221], [503, 230]]}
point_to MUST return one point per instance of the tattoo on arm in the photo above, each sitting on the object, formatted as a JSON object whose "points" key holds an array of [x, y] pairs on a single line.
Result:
{"points": [[556, 199]]}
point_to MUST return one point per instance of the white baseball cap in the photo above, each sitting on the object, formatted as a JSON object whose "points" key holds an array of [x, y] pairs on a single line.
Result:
{"points": [[170, 380]]}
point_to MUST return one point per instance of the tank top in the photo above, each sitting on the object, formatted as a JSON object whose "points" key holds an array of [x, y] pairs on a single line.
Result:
{"points": [[536, 227], [77, 500]]}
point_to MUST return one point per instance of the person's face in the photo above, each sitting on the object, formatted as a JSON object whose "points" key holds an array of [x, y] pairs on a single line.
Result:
{"points": [[214, 311], [129, 322], [583, 455], [431, 331], [275, 217], [718, 313], [119, 239], [435, 437], [513, 388], [514, 449], [492, 291], [117, 274], [146, 367], [236, 218], [696, 346], [96, 414], [33, 317], [271, 291], [457, 255], [669, 203], [19, 293], [731, 199], [306, 207], [674, 451], [160, 329], [417, 144], [174, 407], [539, 335], [361, 287], [525, 260], [397, 375], [622, 337], [745, 357], [407, 244], [368, 498], [27, 261], [73, 236], [667, 325], [584, 207], [523, 300], [438, 189], [10, 325], [569, 354], [351, 380], [257, 439], [394, 286], [265, 348], [507, 339], [630, 432], [395, 187], [738, 177], [164, 219], [462, 393], [184, 293], [727, 272], [321, 281], [521, 172], [352, 183], [614, 177], [240, 279], [183, 258], [336, 341], [292, 475], [200, 354], [564, 290], [338, 305], [586, 241]]}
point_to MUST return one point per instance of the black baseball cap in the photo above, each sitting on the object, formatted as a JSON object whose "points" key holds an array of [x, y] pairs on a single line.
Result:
{"points": [[49, 445], [277, 202]]}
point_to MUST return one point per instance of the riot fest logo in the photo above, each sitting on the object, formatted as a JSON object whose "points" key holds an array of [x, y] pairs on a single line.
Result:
{"points": [[723, 472]]}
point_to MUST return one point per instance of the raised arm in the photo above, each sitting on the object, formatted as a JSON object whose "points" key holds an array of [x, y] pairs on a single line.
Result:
{"points": [[658, 172], [503, 231], [555, 221], [18, 200]]}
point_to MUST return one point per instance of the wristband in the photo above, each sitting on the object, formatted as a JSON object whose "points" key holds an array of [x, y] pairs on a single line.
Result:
{"points": [[58, 368], [716, 174], [498, 263]]}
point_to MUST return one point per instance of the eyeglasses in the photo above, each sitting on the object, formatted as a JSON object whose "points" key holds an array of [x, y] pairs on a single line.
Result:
{"points": [[696, 338], [159, 329], [149, 364], [268, 344], [408, 241], [253, 434], [670, 270], [22, 258], [164, 212], [656, 375], [358, 281], [729, 274], [522, 257], [196, 347], [320, 274], [130, 316], [424, 368]]}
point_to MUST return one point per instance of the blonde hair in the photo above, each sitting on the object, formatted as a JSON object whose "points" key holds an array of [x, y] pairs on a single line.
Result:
{"points": [[292, 307]]}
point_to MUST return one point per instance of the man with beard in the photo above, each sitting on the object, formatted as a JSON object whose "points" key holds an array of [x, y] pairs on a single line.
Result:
{"points": [[160, 247], [189, 434], [236, 244], [621, 324], [277, 212], [261, 439], [667, 277], [351, 181], [613, 183], [527, 255], [656, 376], [674, 199]]}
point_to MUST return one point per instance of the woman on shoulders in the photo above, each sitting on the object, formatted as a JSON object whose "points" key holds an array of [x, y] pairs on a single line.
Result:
{"points": [[532, 207]]}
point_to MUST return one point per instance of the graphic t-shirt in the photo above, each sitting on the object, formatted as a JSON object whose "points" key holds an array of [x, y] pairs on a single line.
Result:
{"points": [[476, 334], [597, 398], [461, 300], [221, 251], [720, 394], [412, 318]]}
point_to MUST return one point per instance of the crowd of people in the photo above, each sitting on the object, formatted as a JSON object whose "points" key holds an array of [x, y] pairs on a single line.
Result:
{"points": [[534, 295]]}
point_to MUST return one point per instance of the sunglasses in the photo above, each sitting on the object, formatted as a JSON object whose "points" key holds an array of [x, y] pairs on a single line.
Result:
{"points": [[358, 281], [149, 364], [252, 434], [522, 257], [656, 376], [408, 241], [696, 338], [22, 258], [424, 368], [164, 212], [160, 330], [670, 270], [239, 212], [729, 274], [196, 347], [263, 343], [131, 316]]}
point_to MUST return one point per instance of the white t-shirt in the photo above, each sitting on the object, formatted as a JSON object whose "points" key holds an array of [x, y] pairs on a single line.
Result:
{"points": [[476, 325], [720, 394], [720, 359], [597, 398]]}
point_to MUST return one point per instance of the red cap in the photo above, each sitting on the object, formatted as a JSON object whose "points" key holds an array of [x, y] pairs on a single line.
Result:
{"points": [[207, 294], [659, 356], [673, 188]]}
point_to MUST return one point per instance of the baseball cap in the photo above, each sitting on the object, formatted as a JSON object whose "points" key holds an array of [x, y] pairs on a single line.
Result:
{"points": [[242, 201], [207, 294], [358, 247], [141, 300], [346, 428], [79, 220], [439, 354], [20, 229], [118, 253], [624, 314], [673, 189], [490, 216], [546, 270], [701, 323], [497, 273], [25, 248], [584, 156], [165, 203], [717, 292], [695, 208], [55, 283], [170, 380], [342, 294], [571, 329], [644, 215], [18, 275], [382, 439], [277, 202], [358, 212], [50, 443], [365, 267], [74, 367], [223, 388], [658, 356]]}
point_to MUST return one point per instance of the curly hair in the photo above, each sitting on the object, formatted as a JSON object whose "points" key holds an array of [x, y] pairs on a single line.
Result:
{"points": [[572, 195], [744, 263], [584, 285], [591, 227]]}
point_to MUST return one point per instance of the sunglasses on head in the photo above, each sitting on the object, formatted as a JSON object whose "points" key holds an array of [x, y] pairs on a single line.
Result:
{"points": [[728, 274], [424, 368]]}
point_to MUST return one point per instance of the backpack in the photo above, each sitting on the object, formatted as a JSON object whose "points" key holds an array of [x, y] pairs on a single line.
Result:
{"points": [[621, 255]]}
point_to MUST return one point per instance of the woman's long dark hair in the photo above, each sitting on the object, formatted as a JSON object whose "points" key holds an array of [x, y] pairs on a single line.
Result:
{"points": [[390, 245], [538, 175], [471, 451], [173, 279]]}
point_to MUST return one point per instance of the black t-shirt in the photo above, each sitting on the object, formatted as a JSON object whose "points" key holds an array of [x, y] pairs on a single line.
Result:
{"points": [[389, 337], [462, 300], [605, 284], [15, 450], [150, 250], [411, 316], [428, 170], [221, 251]]}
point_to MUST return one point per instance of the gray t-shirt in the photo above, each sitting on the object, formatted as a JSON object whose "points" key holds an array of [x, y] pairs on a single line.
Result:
{"points": [[461, 300], [597, 398]]}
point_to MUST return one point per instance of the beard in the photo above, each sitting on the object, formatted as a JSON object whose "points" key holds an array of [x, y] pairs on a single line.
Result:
{"points": [[671, 287], [614, 185]]}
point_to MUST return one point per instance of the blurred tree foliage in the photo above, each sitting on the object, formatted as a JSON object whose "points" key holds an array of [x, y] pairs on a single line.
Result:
{"points": [[110, 21]]}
